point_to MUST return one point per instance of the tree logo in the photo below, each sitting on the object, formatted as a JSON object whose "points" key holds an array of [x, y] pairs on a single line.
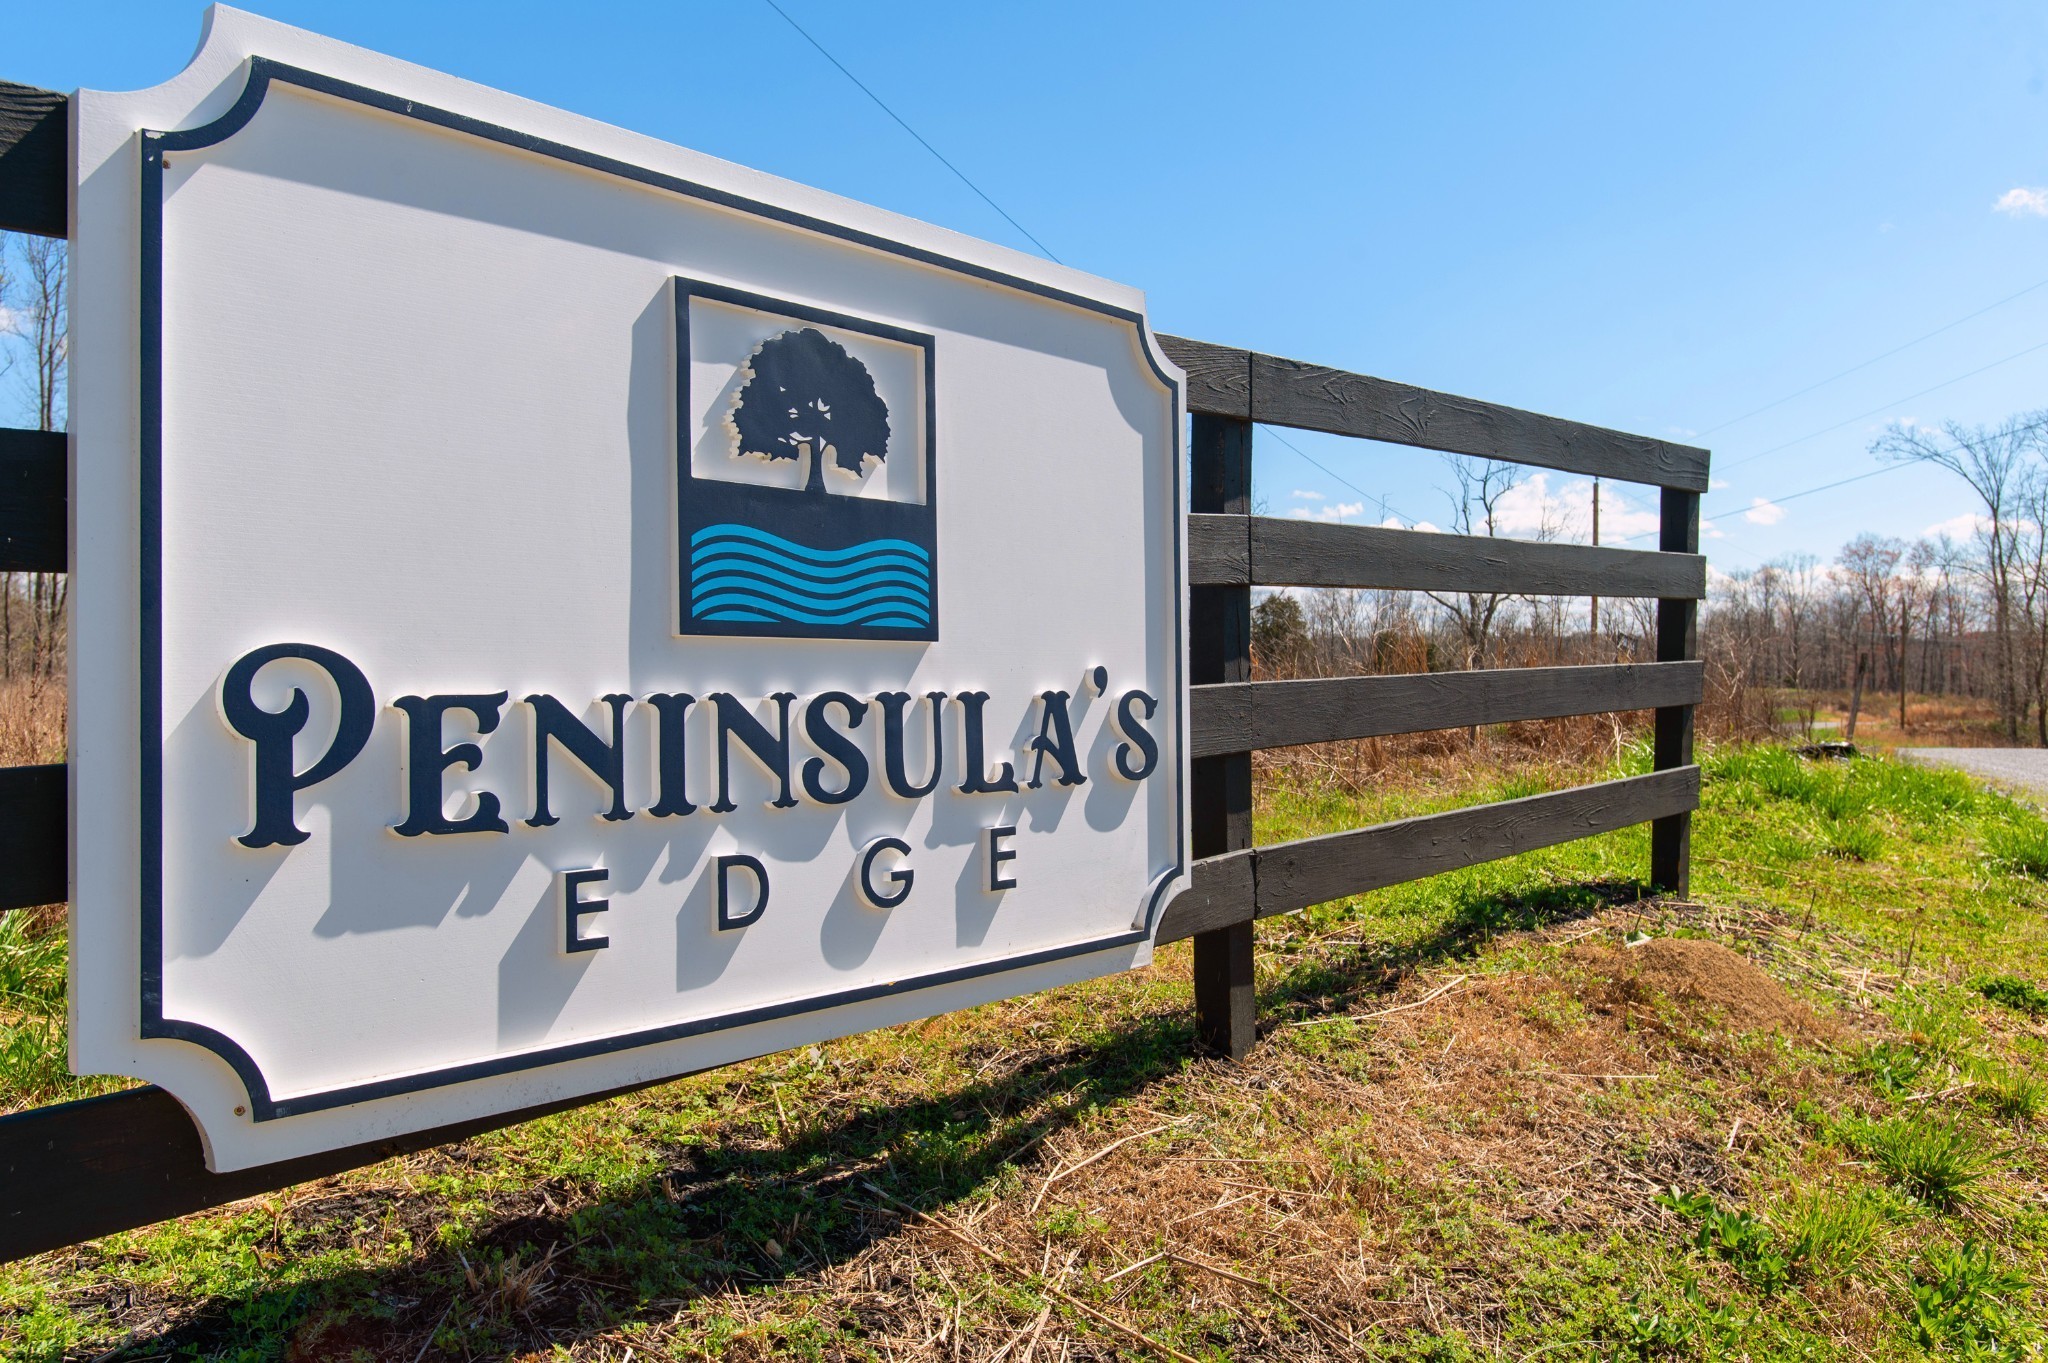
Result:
{"points": [[807, 397], [805, 471]]}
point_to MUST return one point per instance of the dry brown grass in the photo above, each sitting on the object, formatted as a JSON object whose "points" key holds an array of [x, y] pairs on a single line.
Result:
{"points": [[1367, 1175], [32, 722]]}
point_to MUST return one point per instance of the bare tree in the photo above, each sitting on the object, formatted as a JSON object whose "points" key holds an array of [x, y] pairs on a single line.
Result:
{"points": [[1475, 510], [1997, 462], [45, 328]]}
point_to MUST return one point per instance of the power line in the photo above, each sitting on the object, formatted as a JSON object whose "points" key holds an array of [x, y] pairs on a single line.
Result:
{"points": [[1042, 250], [1854, 368], [1795, 496], [1384, 506], [1884, 406]]}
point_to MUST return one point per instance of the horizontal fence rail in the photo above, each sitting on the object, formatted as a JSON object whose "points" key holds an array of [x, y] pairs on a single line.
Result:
{"points": [[35, 161], [33, 819], [1264, 882], [32, 501], [78, 1170], [1248, 386], [1272, 551], [1235, 717]]}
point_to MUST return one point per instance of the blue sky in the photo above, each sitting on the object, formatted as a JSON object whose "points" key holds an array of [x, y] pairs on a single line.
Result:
{"points": [[1659, 218]]}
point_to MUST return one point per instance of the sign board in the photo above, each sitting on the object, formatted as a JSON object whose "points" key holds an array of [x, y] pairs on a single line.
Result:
{"points": [[554, 610]]}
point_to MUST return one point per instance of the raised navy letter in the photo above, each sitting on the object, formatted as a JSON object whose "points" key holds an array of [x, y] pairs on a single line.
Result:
{"points": [[975, 765], [605, 761], [997, 854], [835, 745], [726, 917], [903, 876], [735, 720], [670, 753], [272, 732], [893, 757], [575, 910], [1055, 740], [1134, 730], [426, 760]]}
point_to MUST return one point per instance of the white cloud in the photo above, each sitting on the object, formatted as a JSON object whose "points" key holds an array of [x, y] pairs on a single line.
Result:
{"points": [[1682, 432], [2022, 202], [10, 321], [1531, 509], [1426, 528], [1960, 527], [1717, 485], [1301, 496], [1341, 511], [1763, 511], [1712, 531]]}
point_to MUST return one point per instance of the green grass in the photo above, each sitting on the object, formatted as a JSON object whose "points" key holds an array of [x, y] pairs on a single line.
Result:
{"points": [[2022, 996], [1875, 1190]]}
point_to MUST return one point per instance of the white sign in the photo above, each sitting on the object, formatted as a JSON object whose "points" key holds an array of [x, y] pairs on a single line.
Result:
{"points": [[554, 610]]}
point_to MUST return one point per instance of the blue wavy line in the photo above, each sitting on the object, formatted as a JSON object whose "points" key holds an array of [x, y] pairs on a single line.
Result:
{"points": [[763, 595], [755, 617], [915, 592], [825, 557], [714, 560], [713, 609]]}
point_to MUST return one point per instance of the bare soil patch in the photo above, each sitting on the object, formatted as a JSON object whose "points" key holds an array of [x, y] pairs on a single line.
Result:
{"points": [[1705, 975]]}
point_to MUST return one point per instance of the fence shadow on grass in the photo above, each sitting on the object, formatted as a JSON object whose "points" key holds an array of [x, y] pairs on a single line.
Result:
{"points": [[737, 1213]]}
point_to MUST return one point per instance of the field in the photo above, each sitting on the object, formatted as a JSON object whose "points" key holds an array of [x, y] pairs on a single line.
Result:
{"points": [[1931, 721], [1512, 1112]]}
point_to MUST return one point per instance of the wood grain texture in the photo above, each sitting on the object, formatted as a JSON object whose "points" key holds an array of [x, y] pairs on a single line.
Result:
{"points": [[1220, 893], [1219, 645], [34, 814], [1219, 551], [1671, 741], [75, 1171], [1248, 716], [1219, 378], [1276, 552], [1315, 398], [32, 501], [1295, 875], [35, 160]]}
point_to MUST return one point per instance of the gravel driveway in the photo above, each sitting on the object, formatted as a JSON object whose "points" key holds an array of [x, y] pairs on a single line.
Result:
{"points": [[2022, 768]]}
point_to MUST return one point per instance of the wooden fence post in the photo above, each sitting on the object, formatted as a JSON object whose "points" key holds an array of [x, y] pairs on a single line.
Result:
{"points": [[1677, 641], [1220, 650]]}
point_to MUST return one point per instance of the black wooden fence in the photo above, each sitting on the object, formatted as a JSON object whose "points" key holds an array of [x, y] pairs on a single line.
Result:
{"points": [[78, 1170]]}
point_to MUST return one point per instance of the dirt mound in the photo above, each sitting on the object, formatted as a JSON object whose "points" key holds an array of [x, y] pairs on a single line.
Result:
{"points": [[1693, 971]]}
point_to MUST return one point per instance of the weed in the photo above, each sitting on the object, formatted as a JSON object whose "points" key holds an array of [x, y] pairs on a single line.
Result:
{"points": [[1850, 839], [1833, 1232], [1739, 1238], [2020, 847], [1935, 1160], [2015, 1095], [2022, 996], [1891, 1067], [1964, 1299]]}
